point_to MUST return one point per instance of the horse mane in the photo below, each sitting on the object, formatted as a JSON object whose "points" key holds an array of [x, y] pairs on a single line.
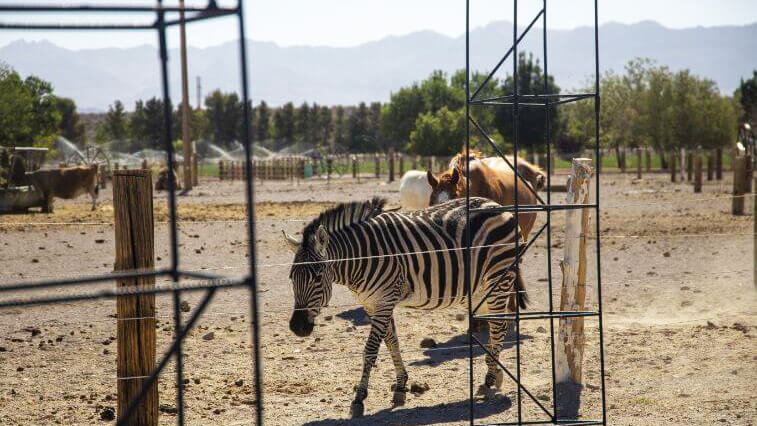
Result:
{"points": [[458, 161], [344, 215]]}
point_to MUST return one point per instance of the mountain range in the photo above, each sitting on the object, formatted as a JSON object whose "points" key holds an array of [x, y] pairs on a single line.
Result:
{"points": [[94, 78]]}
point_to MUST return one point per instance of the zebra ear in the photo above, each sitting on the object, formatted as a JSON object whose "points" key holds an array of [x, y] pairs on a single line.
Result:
{"points": [[292, 242], [321, 240]]}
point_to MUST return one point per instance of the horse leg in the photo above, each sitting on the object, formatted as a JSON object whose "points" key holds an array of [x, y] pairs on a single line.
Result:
{"points": [[380, 320], [392, 343]]}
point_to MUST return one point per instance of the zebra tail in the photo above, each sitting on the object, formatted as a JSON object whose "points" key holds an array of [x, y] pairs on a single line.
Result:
{"points": [[520, 288]]}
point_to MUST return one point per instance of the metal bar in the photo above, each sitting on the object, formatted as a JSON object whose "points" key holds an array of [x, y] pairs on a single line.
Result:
{"points": [[531, 315], [597, 102], [466, 253], [179, 357], [516, 216], [516, 380], [537, 207], [199, 275], [546, 422], [84, 280], [111, 294], [249, 195], [550, 296], [164, 361], [546, 97], [202, 16], [507, 54], [88, 8], [33, 26], [502, 155], [507, 269]]}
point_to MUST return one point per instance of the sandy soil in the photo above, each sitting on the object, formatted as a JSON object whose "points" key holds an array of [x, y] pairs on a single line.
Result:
{"points": [[678, 292]]}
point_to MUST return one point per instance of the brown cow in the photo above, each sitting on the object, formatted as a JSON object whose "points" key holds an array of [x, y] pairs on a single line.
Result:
{"points": [[66, 183], [496, 184]]}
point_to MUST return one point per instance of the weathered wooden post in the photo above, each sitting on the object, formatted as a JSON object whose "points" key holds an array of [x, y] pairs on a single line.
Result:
{"points": [[689, 165], [622, 160], [391, 164], [145, 165], [710, 166], [551, 163], [739, 173], [401, 159], [648, 160], [672, 166], [195, 177], [698, 172], [329, 167], [570, 342], [749, 174], [638, 163], [135, 244], [354, 166], [377, 165], [719, 164]]}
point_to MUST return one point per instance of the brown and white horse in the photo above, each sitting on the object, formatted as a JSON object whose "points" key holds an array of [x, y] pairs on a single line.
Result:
{"points": [[490, 178]]}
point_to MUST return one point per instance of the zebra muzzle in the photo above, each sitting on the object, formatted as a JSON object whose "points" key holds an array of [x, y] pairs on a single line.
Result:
{"points": [[301, 324]]}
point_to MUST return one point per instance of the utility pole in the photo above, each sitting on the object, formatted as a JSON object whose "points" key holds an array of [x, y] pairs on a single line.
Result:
{"points": [[185, 135], [199, 93]]}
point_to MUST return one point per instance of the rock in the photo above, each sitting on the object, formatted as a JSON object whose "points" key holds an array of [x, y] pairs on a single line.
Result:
{"points": [[197, 381], [328, 317], [168, 409], [541, 330], [108, 414], [106, 342], [198, 251], [35, 260], [740, 327], [106, 352], [3, 349], [460, 317], [350, 328], [36, 332], [711, 325], [239, 382], [184, 306], [217, 411], [666, 254], [418, 388], [186, 381], [210, 336], [99, 241], [19, 369], [428, 342]]}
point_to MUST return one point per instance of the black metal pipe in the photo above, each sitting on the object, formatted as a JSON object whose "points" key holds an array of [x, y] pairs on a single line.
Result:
{"points": [[83, 280], [516, 153], [115, 27], [88, 8], [468, 242]]}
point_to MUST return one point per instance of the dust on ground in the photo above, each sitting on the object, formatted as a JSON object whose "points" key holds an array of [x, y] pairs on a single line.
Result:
{"points": [[678, 293]]}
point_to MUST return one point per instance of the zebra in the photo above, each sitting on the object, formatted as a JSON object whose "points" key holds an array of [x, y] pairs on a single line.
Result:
{"points": [[415, 260]]}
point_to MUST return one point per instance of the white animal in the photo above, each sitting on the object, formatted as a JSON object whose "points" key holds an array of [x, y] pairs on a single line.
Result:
{"points": [[415, 190]]}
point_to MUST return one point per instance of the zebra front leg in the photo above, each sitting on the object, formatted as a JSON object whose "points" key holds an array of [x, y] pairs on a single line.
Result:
{"points": [[379, 324], [392, 343]]}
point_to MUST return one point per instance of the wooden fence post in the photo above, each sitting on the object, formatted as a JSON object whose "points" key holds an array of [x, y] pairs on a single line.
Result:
{"points": [[220, 170], [622, 161], [719, 164], [648, 160], [638, 163], [329, 167], [570, 341], [402, 164], [391, 164], [739, 173], [672, 166], [195, 177], [697, 172], [377, 165], [135, 245], [689, 165], [710, 166]]}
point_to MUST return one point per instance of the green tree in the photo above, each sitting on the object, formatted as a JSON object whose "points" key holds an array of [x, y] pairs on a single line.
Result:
{"points": [[70, 127], [340, 138], [224, 117], [15, 109], [439, 133], [115, 126], [147, 125], [283, 125], [747, 94], [263, 129], [359, 135], [399, 115], [302, 126]]}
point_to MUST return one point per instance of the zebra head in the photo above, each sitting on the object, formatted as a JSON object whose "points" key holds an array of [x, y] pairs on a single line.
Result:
{"points": [[311, 279]]}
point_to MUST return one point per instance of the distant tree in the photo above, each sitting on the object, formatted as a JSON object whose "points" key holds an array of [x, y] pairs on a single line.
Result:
{"points": [[439, 133], [45, 116], [263, 128], [70, 127], [359, 128], [531, 130], [224, 117], [747, 93], [302, 126], [115, 126], [15, 109], [283, 125], [325, 126], [399, 115], [340, 134], [147, 126], [374, 120]]}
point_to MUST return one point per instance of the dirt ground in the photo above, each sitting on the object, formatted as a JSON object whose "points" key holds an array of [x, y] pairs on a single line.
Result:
{"points": [[680, 311]]}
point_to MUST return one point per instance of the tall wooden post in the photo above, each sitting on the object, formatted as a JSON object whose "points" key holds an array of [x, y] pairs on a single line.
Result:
{"points": [[195, 177], [689, 165], [648, 160], [710, 166], [638, 163], [329, 167], [401, 159], [570, 342], [145, 165], [698, 172], [719, 164], [391, 164], [186, 137], [622, 160], [672, 166], [135, 245], [354, 166], [377, 165], [739, 173]]}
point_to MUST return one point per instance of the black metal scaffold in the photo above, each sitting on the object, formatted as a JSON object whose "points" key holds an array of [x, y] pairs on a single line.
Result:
{"points": [[548, 101], [164, 18]]}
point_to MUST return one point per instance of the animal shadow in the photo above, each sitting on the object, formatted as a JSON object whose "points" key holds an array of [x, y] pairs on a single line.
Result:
{"points": [[457, 348], [358, 317], [420, 416]]}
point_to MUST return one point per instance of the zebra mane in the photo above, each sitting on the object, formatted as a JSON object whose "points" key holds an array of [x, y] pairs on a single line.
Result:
{"points": [[344, 215]]}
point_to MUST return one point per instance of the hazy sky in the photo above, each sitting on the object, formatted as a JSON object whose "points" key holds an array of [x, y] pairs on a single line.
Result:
{"points": [[351, 22]]}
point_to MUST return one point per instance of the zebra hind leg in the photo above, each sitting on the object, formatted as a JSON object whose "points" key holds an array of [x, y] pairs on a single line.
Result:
{"points": [[498, 302], [400, 387]]}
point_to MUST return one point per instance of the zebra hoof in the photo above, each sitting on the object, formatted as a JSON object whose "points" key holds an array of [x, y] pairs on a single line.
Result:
{"points": [[399, 398], [357, 409]]}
